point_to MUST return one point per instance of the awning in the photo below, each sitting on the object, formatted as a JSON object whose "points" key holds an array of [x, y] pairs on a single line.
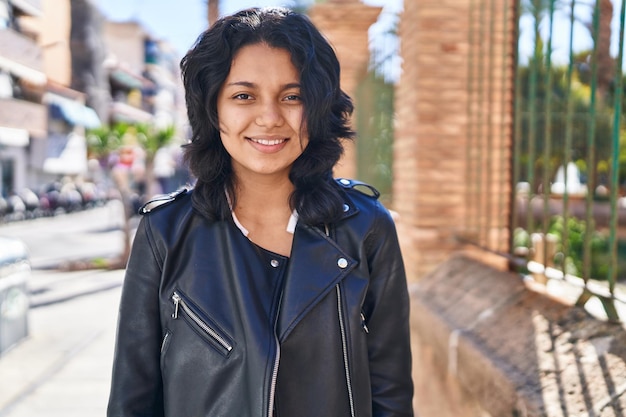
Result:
{"points": [[126, 79], [125, 113], [67, 155], [30, 7], [13, 137], [73, 112], [31, 75]]}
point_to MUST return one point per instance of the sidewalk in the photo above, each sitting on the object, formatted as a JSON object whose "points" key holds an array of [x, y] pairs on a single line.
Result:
{"points": [[63, 367]]}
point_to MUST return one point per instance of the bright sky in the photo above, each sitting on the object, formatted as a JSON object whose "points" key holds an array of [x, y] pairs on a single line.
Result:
{"points": [[561, 30], [181, 21]]}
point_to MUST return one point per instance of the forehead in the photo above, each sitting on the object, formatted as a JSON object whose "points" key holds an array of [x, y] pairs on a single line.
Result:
{"points": [[262, 62]]}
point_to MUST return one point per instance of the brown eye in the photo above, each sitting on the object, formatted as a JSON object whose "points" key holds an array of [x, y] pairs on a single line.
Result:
{"points": [[293, 97]]}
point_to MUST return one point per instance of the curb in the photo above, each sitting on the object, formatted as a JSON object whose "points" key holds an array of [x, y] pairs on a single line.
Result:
{"points": [[42, 301]]}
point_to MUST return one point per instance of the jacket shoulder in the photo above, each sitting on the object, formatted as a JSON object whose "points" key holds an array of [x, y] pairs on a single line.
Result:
{"points": [[359, 186], [163, 200], [363, 198]]}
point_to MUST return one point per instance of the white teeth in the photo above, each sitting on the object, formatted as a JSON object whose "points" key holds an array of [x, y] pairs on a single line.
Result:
{"points": [[268, 142]]}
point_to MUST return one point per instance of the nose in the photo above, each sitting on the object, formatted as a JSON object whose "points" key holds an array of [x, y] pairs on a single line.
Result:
{"points": [[269, 115]]}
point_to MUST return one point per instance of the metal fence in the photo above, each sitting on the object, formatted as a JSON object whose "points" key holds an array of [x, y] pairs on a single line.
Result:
{"points": [[548, 188]]}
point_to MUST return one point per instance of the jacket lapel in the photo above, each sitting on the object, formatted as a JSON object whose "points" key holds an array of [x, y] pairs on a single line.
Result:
{"points": [[316, 265]]}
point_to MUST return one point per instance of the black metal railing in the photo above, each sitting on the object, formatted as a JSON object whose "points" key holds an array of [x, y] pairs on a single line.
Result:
{"points": [[562, 158]]}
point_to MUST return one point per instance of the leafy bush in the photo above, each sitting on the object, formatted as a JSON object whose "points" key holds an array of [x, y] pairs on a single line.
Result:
{"points": [[575, 234]]}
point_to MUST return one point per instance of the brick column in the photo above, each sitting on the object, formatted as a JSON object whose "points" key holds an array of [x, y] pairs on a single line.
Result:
{"points": [[436, 125], [345, 23]]}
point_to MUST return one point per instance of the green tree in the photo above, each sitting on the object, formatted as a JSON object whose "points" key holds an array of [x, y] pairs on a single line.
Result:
{"points": [[575, 98], [102, 142], [151, 139], [374, 126]]}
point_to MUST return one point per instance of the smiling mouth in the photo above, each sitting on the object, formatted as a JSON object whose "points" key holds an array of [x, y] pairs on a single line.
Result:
{"points": [[268, 142]]}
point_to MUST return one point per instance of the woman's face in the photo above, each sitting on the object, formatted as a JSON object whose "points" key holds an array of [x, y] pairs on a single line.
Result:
{"points": [[260, 111]]}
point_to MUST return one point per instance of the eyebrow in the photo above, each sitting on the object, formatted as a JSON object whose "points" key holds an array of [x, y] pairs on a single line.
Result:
{"points": [[253, 85]]}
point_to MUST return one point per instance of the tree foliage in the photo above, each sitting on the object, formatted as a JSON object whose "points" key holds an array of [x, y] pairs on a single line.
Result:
{"points": [[570, 101], [104, 140], [375, 132]]}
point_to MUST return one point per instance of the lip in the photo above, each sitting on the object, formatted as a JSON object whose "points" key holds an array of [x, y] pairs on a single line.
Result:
{"points": [[268, 144]]}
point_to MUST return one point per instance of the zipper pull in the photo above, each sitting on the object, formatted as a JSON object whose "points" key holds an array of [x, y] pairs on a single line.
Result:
{"points": [[176, 299], [363, 324]]}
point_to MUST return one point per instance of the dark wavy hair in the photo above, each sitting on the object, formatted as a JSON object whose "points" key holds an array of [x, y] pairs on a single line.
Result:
{"points": [[326, 110]]}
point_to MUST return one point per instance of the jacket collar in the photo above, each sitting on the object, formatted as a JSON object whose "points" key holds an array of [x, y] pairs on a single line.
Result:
{"points": [[316, 266]]}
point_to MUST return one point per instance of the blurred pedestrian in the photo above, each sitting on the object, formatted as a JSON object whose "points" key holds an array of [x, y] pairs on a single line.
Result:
{"points": [[270, 289], [164, 168]]}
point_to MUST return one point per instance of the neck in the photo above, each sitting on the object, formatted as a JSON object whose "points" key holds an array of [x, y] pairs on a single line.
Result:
{"points": [[262, 199], [263, 209], [265, 191]]}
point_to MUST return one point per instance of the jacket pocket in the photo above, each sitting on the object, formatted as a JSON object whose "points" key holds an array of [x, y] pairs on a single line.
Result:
{"points": [[165, 343], [209, 331], [364, 323]]}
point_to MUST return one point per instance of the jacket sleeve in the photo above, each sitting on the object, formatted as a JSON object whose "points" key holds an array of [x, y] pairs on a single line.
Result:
{"points": [[387, 316], [136, 387]]}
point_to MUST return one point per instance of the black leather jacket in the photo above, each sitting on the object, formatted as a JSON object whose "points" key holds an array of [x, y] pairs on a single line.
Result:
{"points": [[196, 337]]}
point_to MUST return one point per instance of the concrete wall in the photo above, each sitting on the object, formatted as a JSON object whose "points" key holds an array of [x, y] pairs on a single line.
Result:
{"points": [[486, 345], [55, 40], [124, 43]]}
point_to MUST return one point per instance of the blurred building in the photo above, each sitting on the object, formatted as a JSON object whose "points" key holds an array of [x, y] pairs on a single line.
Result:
{"points": [[23, 117], [131, 91], [65, 151], [65, 69], [88, 54], [42, 120], [138, 71]]}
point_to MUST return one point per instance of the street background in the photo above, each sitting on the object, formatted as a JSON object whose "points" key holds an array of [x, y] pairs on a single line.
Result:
{"points": [[63, 367]]}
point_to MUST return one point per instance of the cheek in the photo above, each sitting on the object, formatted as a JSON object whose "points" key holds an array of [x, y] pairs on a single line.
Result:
{"points": [[225, 117], [304, 134], [304, 142], [226, 123], [296, 120]]}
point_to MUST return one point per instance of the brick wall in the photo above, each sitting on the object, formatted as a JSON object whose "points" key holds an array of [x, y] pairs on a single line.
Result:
{"points": [[346, 23], [453, 109]]}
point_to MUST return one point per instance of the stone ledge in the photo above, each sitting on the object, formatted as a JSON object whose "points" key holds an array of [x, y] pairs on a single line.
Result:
{"points": [[486, 345]]}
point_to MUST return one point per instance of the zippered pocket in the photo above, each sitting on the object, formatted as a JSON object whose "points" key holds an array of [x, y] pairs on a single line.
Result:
{"points": [[364, 324], [204, 326], [166, 341]]}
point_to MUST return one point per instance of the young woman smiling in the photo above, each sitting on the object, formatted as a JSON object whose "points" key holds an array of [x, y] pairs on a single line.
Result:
{"points": [[270, 288]]}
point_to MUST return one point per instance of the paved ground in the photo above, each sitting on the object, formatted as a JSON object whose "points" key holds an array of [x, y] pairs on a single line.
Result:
{"points": [[88, 234], [63, 367]]}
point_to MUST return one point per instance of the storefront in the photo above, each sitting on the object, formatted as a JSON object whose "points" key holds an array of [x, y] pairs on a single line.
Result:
{"points": [[66, 147], [13, 159]]}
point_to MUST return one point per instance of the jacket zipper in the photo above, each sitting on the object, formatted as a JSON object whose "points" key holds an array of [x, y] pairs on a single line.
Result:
{"points": [[276, 362], [345, 351], [179, 302], [344, 343]]}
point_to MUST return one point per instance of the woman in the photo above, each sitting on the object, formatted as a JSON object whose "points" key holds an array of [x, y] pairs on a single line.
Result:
{"points": [[270, 289]]}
